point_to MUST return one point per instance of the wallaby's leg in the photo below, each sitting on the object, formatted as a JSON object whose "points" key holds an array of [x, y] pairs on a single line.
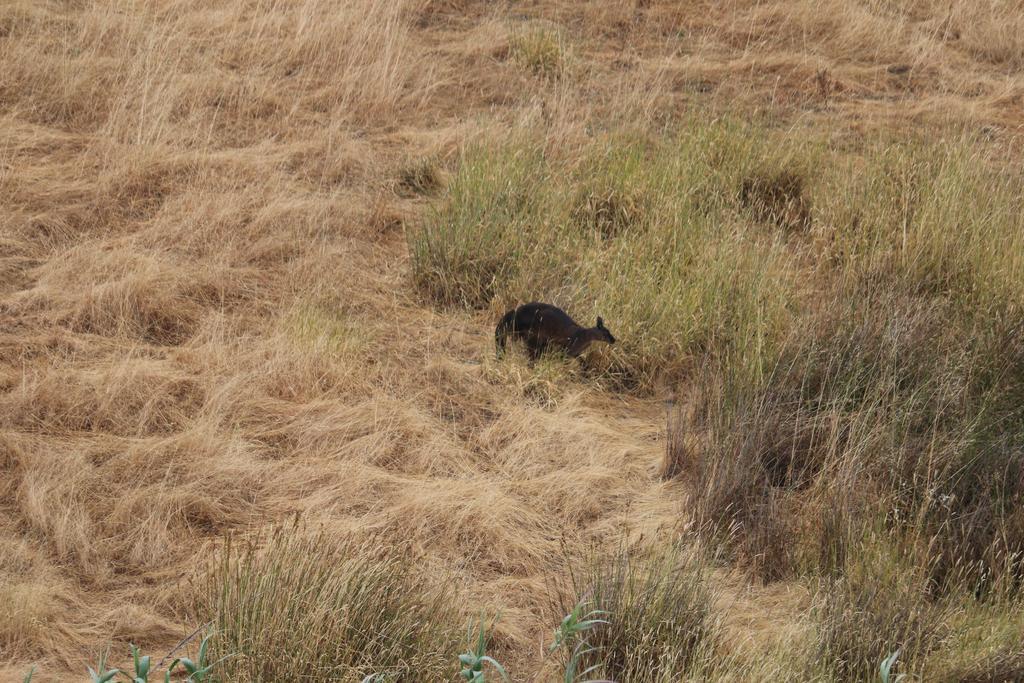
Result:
{"points": [[501, 346], [535, 348], [504, 330]]}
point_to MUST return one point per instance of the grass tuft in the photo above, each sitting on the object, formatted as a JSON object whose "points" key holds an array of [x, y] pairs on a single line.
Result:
{"points": [[420, 177], [779, 198], [657, 610], [307, 607], [541, 50], [879, 604], [636, 217]]}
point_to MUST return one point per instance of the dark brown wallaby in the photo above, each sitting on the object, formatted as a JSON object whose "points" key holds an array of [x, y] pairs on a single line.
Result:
{"points": [[540, 325]]}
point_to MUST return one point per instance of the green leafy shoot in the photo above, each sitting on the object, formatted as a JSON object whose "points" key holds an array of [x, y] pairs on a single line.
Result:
{"points": [[573, 624], [170, 669], [572, 672], [101, 674], [199, 670], [142, 666], [473, 660], [885, 669]]}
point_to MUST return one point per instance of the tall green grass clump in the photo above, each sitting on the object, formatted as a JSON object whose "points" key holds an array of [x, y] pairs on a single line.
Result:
{"points": [[716, 241], [891, 415], [879, 604], [472, 246], [655, 615], [651, 234], [301, 608], [893, 405]]}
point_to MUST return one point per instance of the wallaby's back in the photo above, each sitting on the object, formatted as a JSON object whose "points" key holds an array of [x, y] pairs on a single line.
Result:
{"points": [[538, 324], [544, 319]]}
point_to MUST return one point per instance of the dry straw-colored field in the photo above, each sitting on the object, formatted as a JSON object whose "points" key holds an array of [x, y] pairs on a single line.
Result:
{"points": [[251, 257]]}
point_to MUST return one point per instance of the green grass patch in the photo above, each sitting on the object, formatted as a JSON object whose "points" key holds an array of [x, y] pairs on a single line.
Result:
{"points": [[849, 325], [300, 608], [718, 241], [656, 608], [650, 235]]}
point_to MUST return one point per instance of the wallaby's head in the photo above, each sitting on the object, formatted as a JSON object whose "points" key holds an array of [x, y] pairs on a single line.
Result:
{"points": [[606, 336]]}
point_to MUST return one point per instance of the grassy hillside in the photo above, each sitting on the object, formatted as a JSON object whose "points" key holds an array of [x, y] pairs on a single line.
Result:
{"points": [[251, 257]]}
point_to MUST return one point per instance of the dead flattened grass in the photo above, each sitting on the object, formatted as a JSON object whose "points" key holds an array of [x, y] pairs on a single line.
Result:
{"points": [[134, 74], [209, 323], [120, 292], [32, 600], [133, 398], [991, 32], [59, 492]]}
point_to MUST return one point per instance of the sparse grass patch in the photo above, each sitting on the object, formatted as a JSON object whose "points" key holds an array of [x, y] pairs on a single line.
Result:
{"points": [[307, 607], [779, 198], [420, 177], [541, 50], [325, 329], [25, 608], [993, 31]]}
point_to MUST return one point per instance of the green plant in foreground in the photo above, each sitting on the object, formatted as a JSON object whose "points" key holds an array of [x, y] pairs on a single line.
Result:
{"points": [[101, 676], [885, 669], [579, 653], [142, 665], [199, 670], [473, 660], [571, 630], [573, 625]]}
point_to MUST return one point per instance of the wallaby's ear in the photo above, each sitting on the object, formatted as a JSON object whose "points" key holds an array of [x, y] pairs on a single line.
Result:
{"points": [[600, 323]]}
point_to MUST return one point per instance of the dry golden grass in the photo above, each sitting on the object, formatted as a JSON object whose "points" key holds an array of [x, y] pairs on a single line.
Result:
{"points": [[208, 316]]}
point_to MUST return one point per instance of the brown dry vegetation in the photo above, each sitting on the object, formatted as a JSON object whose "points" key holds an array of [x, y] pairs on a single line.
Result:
{"points": [[209, 323]]}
